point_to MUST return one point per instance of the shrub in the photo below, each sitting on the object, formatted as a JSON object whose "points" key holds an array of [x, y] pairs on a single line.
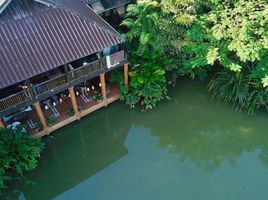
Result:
{"points": [[19, 152], [80, 107], [71, 112], [148, 84], [256, 99], [98, 97], [50, 120], [230, 87]]}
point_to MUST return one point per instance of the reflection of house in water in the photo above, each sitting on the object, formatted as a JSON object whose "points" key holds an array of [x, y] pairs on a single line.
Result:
{"points": [[88, 151], [56, 57]]}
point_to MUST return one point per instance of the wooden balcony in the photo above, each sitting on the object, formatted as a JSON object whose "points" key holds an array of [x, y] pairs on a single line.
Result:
{"points": [[60, 83], [15, 99], [50, 85], [86, 70]]}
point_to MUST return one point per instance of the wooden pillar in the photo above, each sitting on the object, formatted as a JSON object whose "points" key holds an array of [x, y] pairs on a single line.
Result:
{"points": [[73, 100], [126, 74], [40, 115], [103, 88], [2, 125]]}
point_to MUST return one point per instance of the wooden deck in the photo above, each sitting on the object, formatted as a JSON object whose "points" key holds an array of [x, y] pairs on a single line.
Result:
{"points": [[87, 108], [63, 109]]}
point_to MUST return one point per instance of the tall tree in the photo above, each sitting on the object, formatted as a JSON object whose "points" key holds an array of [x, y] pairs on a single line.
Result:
{"points": [[233, 37]]}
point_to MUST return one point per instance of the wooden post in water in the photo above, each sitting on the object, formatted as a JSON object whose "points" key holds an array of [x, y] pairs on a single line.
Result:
{"points": [[126, 74], [40, 114], [74, 103], [103, 88], [2, 125]]}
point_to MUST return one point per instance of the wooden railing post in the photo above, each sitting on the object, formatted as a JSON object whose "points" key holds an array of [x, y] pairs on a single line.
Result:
{"points": [[40, 115], [30, 89], [126, 74], [74, 103], [102, 63], [103, 88], [2, 125]]}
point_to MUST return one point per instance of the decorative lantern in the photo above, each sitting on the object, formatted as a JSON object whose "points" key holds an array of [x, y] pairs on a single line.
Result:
{"points": [[46, 107], [88, 89], [54, 103], [100, 84], [60, 100]]}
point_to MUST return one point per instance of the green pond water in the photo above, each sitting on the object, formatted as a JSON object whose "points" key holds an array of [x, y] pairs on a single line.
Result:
{"points": [[187, 148]]}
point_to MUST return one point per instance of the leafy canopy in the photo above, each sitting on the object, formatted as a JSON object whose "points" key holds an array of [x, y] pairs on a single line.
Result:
{"points": [[18, 153], [233, 34]]}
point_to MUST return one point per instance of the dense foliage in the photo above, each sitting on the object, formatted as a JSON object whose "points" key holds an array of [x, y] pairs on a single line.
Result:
{"points": [[18, 153], [232, 39], [157, 31], [147, 82], [226, 37]]}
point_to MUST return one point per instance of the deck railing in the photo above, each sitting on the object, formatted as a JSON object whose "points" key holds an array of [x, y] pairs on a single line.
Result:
{"points": [[50, 85], [83, 71], [61, 81], [15, 99]]}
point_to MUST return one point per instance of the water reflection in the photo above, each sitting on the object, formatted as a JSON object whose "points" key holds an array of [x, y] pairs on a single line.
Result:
{"points": [[76, 153], [150, 172], [186, 143], [205, 133]]}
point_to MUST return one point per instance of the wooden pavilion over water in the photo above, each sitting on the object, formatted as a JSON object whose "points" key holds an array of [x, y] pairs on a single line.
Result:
{"points": [[55, 60]]}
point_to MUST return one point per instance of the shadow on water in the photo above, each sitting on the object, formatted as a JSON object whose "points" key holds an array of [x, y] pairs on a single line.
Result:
{"points": [[77, 152], [190, 127]]}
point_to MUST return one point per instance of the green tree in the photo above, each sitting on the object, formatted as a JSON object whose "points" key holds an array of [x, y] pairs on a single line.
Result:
{"points": [[157, 31], [19, 152], [233, 36], [160, 26], [229, 37], [147, 85], [143, 20]]}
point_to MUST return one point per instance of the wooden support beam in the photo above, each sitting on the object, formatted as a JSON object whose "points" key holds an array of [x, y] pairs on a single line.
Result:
{"points": [[74, 103], [126, 74], [40, 115], [2, 125], [103, 88]]}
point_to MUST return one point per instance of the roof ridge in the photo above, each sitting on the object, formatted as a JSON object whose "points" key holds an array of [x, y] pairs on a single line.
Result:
{"points": [[76, 13], [8, 20], [104, 21], [4, 4]]}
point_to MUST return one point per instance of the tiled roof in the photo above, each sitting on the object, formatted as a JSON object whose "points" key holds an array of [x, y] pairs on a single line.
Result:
{"points": [[35, 38]]}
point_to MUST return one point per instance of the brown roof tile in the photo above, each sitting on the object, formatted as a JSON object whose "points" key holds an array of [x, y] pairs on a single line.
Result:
{"points": [[35, 38]]}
